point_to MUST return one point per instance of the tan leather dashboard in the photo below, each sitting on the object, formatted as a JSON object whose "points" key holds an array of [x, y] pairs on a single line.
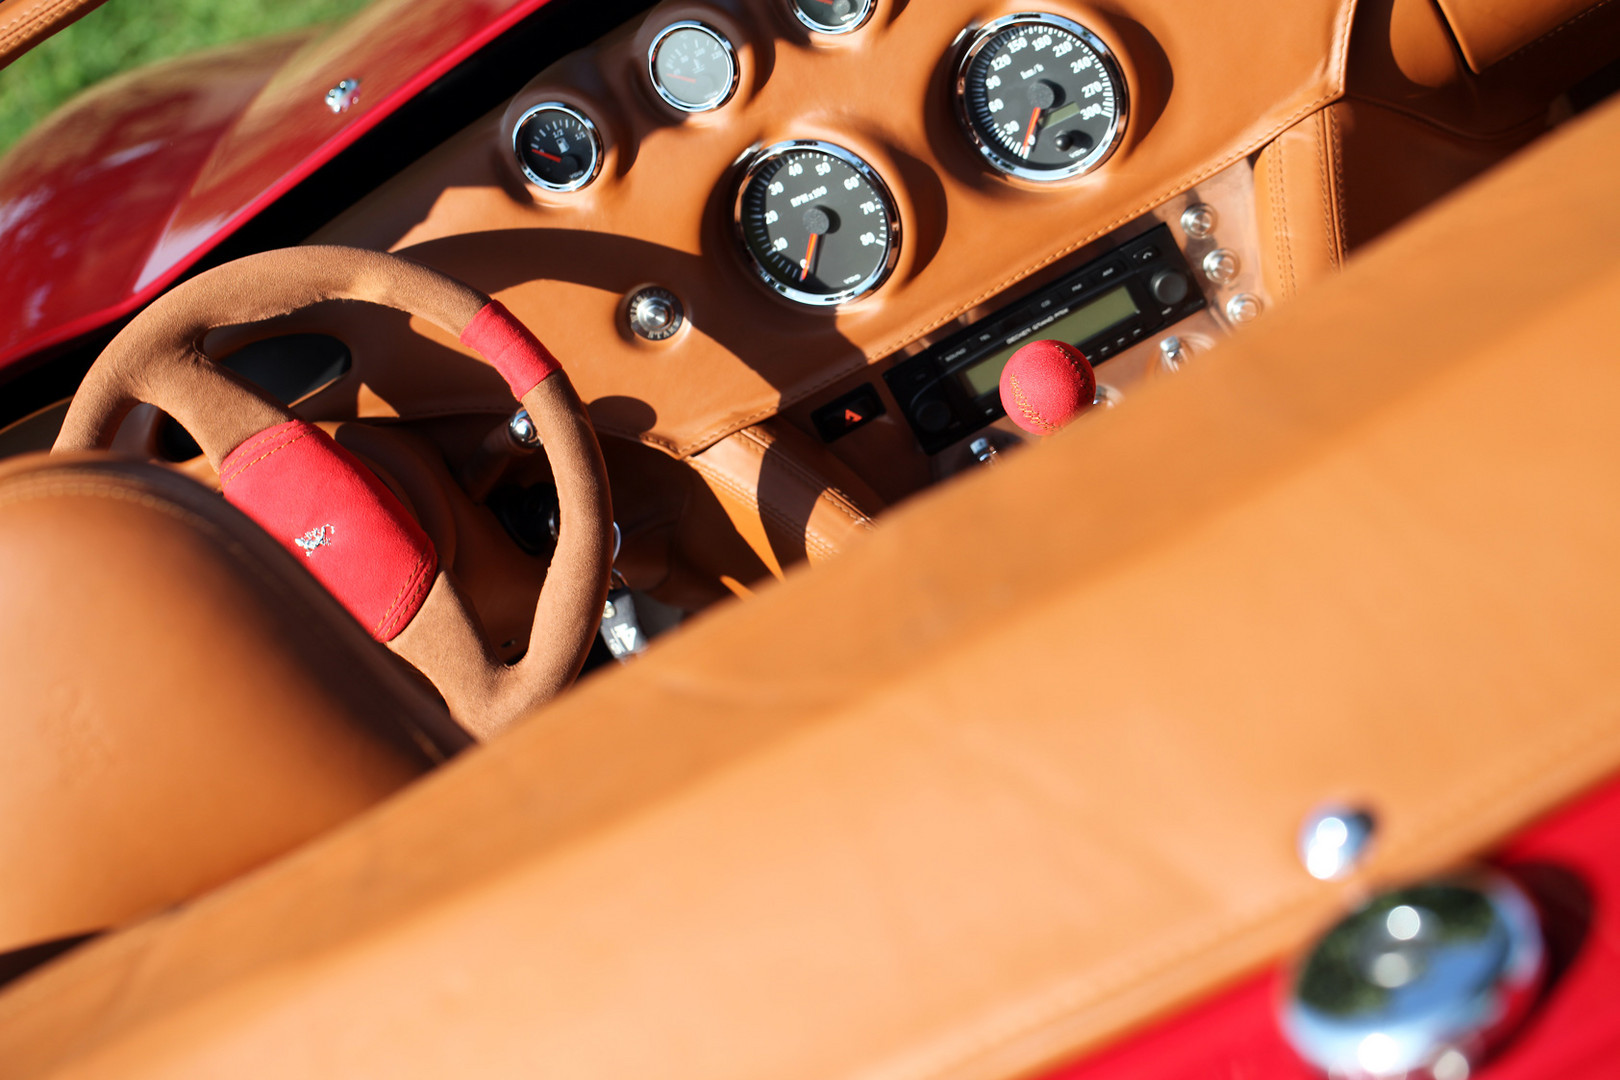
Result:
{"points": [[660, 212]]}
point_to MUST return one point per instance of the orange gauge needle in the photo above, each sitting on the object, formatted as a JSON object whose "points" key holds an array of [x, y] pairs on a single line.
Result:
{"points": [[809, 254], [1029, 136]]}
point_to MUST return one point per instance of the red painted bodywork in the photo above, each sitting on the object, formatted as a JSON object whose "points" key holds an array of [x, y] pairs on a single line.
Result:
{"points": [[1568, 863], [118, 194]]}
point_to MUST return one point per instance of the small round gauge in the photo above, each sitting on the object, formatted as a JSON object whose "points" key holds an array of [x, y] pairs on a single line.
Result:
{"points": [[693, 66], [1040, 97], [833, 16], [557, 147], [816, 222]]}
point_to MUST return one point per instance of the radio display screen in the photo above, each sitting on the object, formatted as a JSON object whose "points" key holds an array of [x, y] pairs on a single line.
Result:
{"points": [[1078, 325]]}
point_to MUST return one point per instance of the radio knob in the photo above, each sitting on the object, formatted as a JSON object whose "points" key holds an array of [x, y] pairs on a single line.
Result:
{"points": [[931, 413], [1169, 286]]}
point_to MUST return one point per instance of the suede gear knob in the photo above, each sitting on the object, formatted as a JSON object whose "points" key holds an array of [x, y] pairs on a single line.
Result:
{"points": [[1045, 385]]}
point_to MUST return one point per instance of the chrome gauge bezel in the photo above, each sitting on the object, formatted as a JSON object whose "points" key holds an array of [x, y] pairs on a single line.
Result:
{"points": [[833, 31], [993, 154], [725, 46], [891, 213], [590, 130]]}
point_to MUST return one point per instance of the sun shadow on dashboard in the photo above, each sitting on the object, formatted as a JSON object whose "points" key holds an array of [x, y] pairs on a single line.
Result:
{"points": [[722, 304]]}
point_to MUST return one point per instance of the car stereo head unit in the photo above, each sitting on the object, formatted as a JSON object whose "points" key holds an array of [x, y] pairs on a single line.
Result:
{"points": [[1103, 308]]}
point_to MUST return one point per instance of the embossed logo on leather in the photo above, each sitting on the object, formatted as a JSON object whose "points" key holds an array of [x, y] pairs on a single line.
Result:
{"points": [[318, 537]]}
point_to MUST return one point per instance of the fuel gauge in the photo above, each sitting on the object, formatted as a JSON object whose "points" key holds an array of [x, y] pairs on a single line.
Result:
{"points": [[557, 147]]}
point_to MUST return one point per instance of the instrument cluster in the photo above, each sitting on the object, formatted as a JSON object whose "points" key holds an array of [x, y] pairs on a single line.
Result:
{"points": [[1038, 96]]}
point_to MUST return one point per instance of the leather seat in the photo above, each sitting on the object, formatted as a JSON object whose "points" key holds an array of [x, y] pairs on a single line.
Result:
{"points": [[183, 702]]}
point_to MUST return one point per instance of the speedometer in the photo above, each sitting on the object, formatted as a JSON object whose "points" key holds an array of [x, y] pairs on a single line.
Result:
{"points": [[1040, 97], [816, 222]]}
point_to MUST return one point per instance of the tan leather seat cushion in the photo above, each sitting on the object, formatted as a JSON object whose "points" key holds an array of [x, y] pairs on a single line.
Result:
{"points": [[182, 702]]}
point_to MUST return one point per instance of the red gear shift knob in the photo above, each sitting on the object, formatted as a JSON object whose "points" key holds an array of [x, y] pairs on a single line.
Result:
{"points": [[1045, 385]]}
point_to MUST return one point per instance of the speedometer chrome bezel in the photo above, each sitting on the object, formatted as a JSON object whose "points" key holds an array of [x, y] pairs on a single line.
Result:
{"points": [[993, 154], [726, 47], [595, 136], [833, 31], [891, 214]]}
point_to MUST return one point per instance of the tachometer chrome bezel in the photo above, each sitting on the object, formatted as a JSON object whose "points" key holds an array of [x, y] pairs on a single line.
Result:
{"points": [[993, 154], [891, 212], [726, 47], [590, 130], [832, 31]]}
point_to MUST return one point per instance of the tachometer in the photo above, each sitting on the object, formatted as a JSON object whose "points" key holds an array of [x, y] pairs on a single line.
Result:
{"points": [[1041, 97], [557, 147], [816, 222], [833, 16]]}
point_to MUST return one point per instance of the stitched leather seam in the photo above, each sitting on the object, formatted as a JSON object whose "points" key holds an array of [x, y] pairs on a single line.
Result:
{"points": [[236, 473], [1336, 60], [1516, 54], [1285, 249], [1134, 972], [28, 22], [768, 512], [408, 591], [253, 443], [826, 490], [1335, 150], [1324, 150]]}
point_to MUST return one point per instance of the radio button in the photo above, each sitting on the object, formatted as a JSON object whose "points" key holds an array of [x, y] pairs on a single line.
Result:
{"points": [[931, 414]]}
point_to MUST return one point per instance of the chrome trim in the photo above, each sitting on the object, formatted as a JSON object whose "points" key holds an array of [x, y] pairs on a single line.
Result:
{"points": [[590, 129], [1104, 149], [343, 96], [1420, 981], [1333, 840], [835, 31], [725, 46], [891, 213]]}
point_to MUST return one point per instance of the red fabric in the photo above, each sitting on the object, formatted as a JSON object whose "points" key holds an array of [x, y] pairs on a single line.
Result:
{"points": [[343, 525], [1045, 385], [510, 348], [1570, 864]]}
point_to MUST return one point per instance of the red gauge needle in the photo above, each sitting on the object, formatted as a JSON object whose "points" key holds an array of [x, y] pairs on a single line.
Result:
{"points": [[683, 78], [809, 254], [548, 157], [1029, 136]]}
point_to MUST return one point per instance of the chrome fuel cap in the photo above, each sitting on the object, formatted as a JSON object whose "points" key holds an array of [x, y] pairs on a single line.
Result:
{"points": [[1421, 982]]}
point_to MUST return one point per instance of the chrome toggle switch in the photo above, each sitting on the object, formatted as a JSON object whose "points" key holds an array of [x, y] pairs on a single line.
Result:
{"points": [[1421, 982]]}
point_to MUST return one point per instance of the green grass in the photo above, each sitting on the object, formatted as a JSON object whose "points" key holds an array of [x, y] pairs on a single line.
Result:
{"points": [[124, 34]]}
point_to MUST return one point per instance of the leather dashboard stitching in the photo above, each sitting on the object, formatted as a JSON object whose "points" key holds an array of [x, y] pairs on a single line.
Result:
{"points": [[769, 513], [826, 489], [40, 15], [1335, 151], [1554, 32], [1336, 65], [1324, 150], [1279, 214]]}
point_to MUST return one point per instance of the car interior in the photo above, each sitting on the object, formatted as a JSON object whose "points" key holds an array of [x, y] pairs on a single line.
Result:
{"points": [[756, 696]]}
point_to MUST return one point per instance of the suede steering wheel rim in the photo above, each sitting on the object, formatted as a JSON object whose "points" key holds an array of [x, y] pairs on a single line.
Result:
{"points": [[327, 509]]}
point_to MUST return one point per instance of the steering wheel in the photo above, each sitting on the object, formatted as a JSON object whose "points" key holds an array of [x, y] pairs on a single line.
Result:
{"points": [[335, 517]]}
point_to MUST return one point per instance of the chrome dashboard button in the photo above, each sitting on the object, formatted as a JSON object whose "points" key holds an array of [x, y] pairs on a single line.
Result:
{"points": [[1242, 308], [1198, 221], [1333, 840], [655, 314], [1221, 266], [1421, 982]]}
